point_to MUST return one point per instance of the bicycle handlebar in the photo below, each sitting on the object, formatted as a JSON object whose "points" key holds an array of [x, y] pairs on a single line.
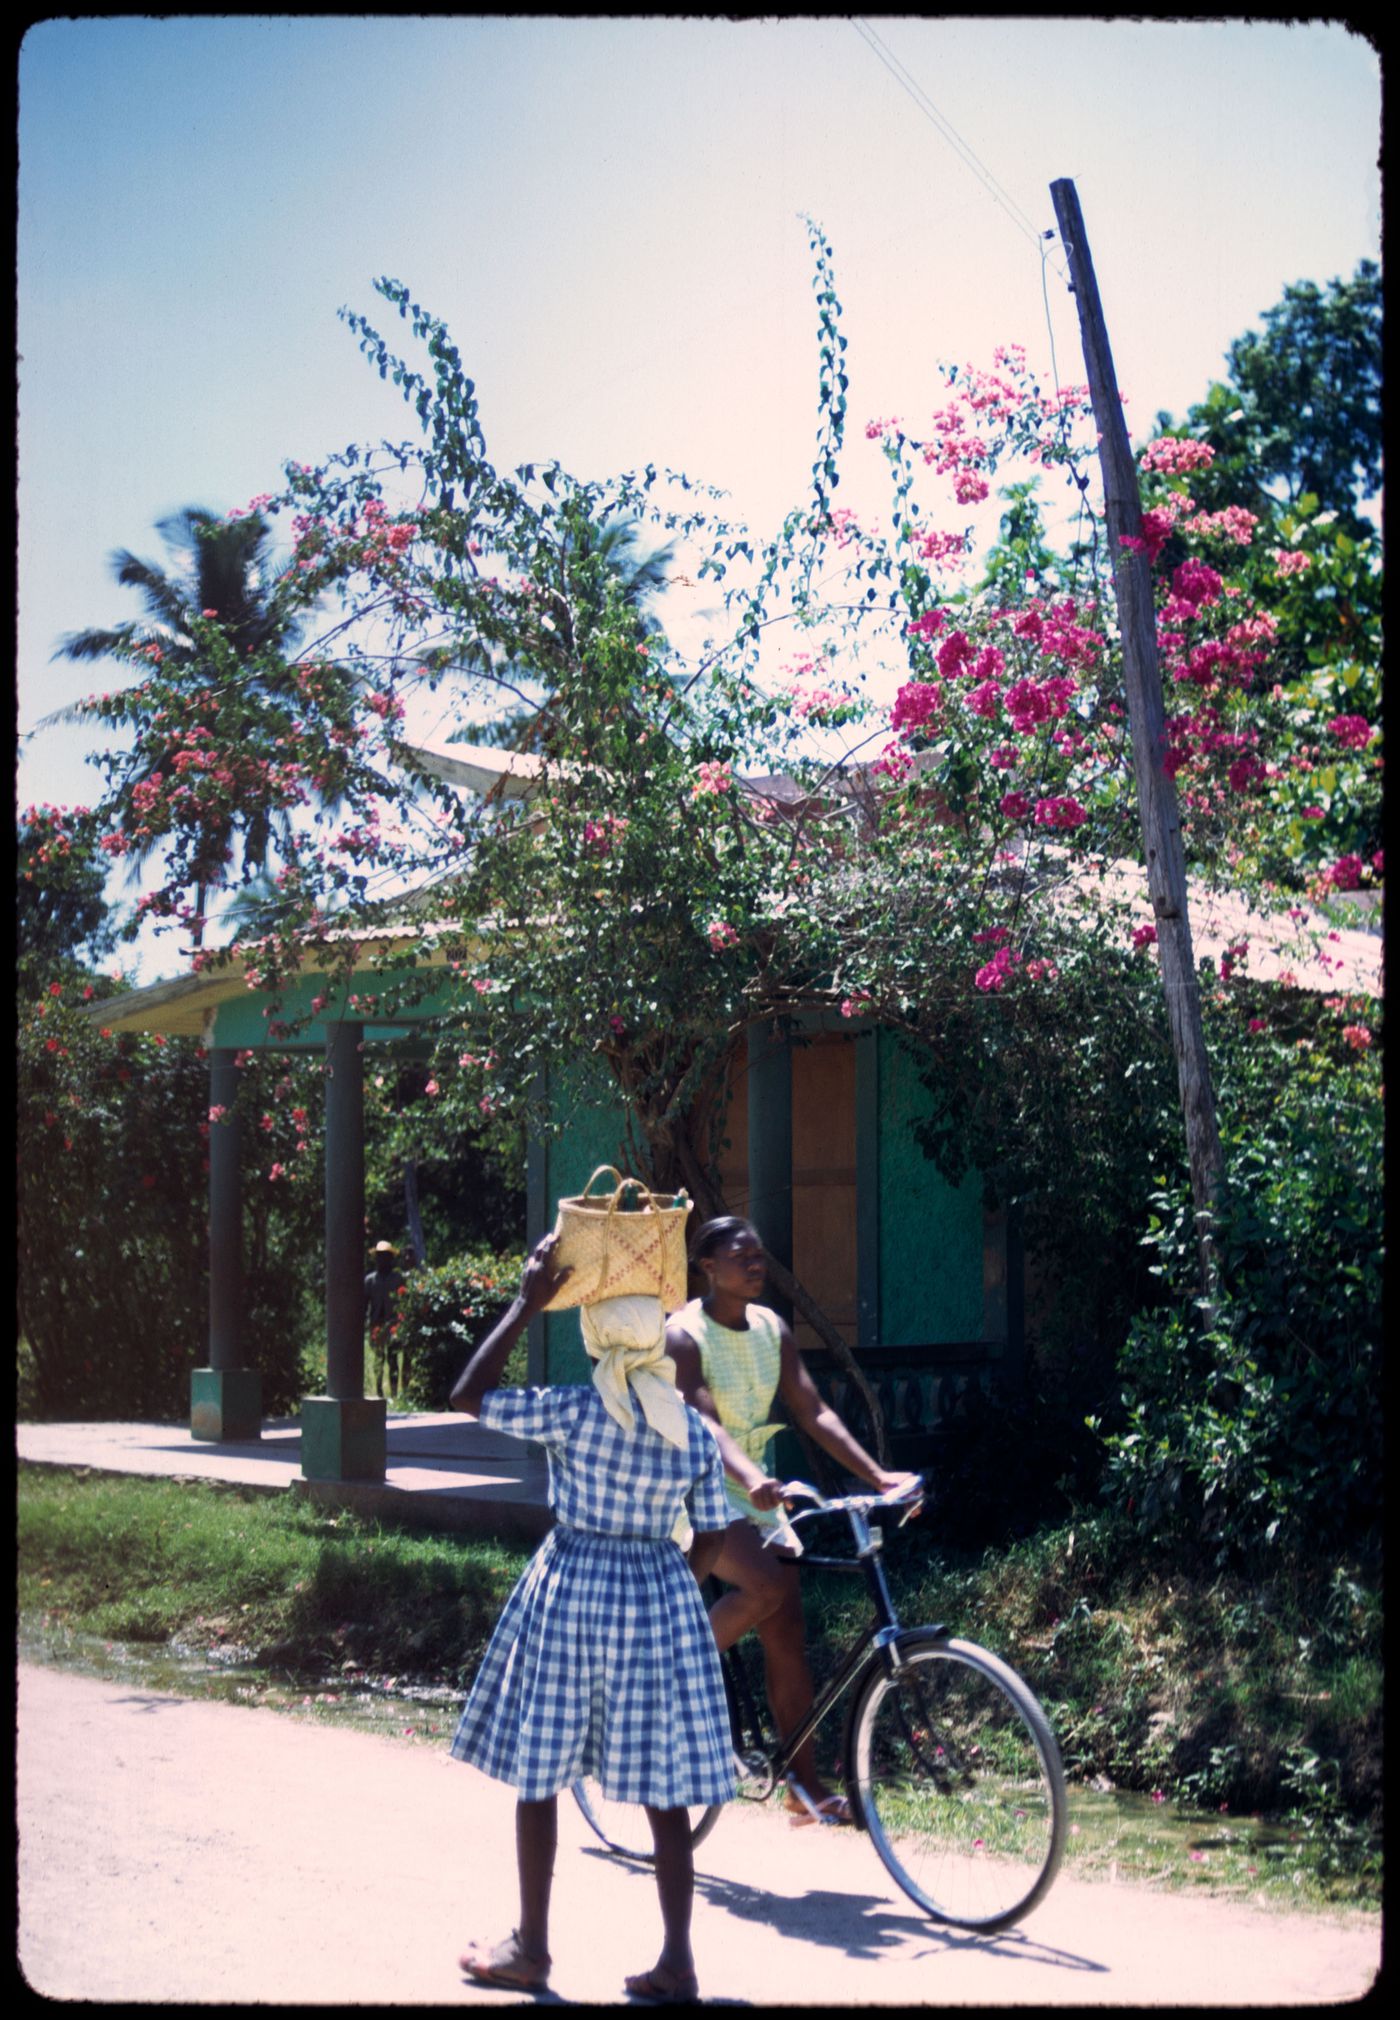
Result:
{"points": [[908, 1498]]}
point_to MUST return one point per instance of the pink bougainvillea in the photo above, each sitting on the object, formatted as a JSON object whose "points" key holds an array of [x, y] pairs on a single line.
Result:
{"points": [[714, 778], [1060, 812], [1353, 731], [927, 626], [955, 655], [1173, 457], [916, 704], [1196, 584], [1346, 874], [997, 972]]}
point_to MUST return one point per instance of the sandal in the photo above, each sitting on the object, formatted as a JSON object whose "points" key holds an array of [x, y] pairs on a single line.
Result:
{"points": [[830, 1810], [523, 1975], [683, 1991]]}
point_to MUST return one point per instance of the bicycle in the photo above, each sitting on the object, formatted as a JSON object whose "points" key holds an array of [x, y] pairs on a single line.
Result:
{"points": [[949, 1762]]}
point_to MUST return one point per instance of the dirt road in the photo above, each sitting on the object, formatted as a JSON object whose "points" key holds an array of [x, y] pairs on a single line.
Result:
{"points": [[172, 1851]]}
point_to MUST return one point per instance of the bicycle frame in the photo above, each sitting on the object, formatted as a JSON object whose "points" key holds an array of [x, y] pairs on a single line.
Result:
{"points": [[878, 1642], [972, 1833]]}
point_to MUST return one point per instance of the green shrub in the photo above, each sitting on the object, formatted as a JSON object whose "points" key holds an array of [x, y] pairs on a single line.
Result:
{"points": [[1259, 1420], [444, 1312], [111, 1216], [112, 1220]]}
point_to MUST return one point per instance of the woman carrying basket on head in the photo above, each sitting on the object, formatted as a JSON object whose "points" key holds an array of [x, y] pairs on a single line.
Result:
{"points": [[733, 1359], [603, 1662]]}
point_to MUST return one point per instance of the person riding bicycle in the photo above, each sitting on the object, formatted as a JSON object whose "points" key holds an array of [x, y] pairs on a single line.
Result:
{"points": [[733, 1359]]}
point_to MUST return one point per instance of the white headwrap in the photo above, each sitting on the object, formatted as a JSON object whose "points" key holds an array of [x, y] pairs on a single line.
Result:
{"points": [[627, 1338]]}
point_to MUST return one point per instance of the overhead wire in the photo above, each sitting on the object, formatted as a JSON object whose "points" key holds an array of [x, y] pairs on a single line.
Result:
{"points": [[1039, 239], [949, 132]]}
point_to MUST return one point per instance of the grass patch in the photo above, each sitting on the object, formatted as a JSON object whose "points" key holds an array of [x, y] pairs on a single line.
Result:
{"points": [[296, 1587]]}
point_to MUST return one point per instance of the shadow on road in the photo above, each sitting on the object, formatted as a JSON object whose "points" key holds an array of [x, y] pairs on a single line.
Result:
{"points": [[864, 1926]]}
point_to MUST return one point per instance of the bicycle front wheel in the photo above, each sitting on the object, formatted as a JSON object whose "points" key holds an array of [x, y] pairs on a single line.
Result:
{"points": [[959, 1782], [623, 1827]]}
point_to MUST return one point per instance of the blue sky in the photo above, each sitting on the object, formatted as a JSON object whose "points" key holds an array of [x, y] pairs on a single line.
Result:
{"points": [[607, 214]]}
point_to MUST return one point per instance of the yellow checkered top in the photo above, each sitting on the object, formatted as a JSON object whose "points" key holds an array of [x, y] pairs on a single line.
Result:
{"points": [[741, 1372]]}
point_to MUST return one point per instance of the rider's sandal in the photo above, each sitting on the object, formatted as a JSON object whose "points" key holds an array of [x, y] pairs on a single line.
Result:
{"points": [[830, 1810]]}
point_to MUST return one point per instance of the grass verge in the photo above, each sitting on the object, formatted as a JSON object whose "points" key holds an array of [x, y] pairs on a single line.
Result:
{"points": [[285, 1584]]}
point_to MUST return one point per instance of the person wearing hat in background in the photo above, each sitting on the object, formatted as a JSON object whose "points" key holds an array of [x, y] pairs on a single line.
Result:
{"points": [[382, 1287], [603, 1662]]}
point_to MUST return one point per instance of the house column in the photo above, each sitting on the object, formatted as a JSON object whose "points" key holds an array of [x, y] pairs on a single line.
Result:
{"points": [[343, 1432], [225, 1397], [770, 1145]]}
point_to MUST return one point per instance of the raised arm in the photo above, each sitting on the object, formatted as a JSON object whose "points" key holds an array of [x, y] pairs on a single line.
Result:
{"points": [[538, 1284]]}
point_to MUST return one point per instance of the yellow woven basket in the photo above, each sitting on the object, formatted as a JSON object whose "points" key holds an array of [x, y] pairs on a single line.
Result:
{"points": [[616, 1251]]}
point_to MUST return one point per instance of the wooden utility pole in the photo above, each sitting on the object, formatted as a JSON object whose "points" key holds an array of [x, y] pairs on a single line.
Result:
{"points": [[1157, 807]]}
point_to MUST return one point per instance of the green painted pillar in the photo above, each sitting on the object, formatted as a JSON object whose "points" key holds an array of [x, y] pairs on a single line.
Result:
{"points": [[225, 1397], [345, 1211], [770, 1145], [225, 1214], [342, 1432]]}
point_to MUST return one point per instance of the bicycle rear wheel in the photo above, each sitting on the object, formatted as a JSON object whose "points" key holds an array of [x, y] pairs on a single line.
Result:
{"points": [[958, 1780], [623, 1827]]}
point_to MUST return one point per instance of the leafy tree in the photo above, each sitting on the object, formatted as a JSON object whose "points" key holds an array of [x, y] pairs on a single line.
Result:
{"points": [[62, 919], [1021, 559], [1258, 1422], [223, 570], [213, 638], [112, 1231], [587, 556], [1300, 413], [1270, 637]]}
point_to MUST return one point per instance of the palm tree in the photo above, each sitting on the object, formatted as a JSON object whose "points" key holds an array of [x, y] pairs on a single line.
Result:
{"points": [[224, 569], [592, 557]]}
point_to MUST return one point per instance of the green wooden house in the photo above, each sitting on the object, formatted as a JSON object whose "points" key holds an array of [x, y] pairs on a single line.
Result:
{"points": [[923, 1282]]}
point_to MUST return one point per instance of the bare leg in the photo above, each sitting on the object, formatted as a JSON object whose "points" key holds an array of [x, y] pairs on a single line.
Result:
{"points": [[675, 1886], [523, 1958], [536, 1837], [767, 1596]]}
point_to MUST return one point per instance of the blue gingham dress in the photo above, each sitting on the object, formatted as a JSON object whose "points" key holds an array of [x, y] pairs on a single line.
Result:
{"points": [[604, 1662]]}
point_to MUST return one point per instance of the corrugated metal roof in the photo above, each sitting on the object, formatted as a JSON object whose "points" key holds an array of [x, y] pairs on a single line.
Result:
{"points": [[1296, 947]]}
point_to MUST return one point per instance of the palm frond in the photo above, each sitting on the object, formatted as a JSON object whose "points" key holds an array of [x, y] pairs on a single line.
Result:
{"points": [[95, 644], [65, 718], [165, 599]]}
